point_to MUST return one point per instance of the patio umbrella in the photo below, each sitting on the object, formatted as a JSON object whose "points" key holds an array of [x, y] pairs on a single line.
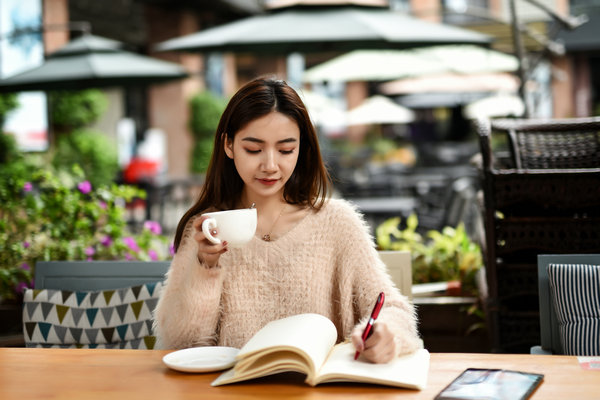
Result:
{"points": [[379, 65], [314, 29], [322, 110], [89, 62], [452, 82], [379, 110], [500, 105]]}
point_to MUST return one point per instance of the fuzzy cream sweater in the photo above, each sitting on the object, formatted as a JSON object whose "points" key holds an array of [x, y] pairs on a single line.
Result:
{"points": [[326, 264]]}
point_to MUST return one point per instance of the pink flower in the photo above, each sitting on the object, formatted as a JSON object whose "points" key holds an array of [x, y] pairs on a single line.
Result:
{"points": [[131, 243], [89, 251], [102, 204], [28, 187], [153, 227], [107, 241], [129, 257], [25, 267], [26, 244], [84, 187], [21, 286], [172, 249], [153, 255]]}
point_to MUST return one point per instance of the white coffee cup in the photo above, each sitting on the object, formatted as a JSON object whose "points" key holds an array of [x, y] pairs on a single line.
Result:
{"points": [[236, 227]]}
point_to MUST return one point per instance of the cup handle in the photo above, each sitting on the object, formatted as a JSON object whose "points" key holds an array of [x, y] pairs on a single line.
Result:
{"points": [[208, 225]]}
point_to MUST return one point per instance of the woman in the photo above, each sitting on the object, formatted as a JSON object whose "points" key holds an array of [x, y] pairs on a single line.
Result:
{"points": [[310, 253]]}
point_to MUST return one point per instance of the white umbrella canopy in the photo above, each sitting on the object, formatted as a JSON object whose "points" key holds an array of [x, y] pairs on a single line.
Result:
{"points": [[453, 82], [500, 105], [380, 65], [379, 110], [320, 107], [92, 61], [315, 29], [370, 65]]}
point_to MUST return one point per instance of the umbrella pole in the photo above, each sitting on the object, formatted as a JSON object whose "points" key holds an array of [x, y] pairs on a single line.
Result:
{"points": [[520, 53]]}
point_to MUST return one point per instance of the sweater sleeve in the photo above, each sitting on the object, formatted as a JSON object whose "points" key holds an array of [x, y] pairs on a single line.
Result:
{"points": [[188, 309], [367, 276]]}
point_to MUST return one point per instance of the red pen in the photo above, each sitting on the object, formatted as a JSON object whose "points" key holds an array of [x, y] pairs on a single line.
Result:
{"points": [[374, 314]]}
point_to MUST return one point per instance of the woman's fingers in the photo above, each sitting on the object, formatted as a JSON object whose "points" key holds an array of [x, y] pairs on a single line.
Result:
{"points": [[380, 347], [357, 339], [207, 251]]}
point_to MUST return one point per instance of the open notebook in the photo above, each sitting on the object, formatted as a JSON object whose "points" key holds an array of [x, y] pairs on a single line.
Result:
{"points": [[305, 343]]}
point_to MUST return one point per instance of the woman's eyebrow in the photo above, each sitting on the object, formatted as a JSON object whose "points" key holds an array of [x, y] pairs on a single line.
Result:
{"points": [[257, 140]]}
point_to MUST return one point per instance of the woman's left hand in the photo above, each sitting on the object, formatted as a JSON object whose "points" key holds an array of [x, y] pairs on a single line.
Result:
{"points": [[380, 347]]}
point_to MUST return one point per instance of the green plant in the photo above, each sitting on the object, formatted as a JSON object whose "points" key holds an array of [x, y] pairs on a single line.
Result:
{"points": [[9, 151], [71, 113], [446, 255], [76, 109], [60, 215], [95, 153], [205, 110], [8, 102]]}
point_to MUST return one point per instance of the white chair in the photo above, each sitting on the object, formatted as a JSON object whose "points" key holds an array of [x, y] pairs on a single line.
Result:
{"points": [[399, 267]]}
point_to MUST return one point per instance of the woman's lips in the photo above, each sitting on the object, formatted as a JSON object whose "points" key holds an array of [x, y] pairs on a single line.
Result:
{"points": [[268, 182]]}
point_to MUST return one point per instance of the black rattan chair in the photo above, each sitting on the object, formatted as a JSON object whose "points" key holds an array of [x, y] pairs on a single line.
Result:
{"points": [[541, 186]]}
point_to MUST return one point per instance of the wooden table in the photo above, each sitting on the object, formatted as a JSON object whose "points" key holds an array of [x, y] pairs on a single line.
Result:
{"points": [[140, 374]]}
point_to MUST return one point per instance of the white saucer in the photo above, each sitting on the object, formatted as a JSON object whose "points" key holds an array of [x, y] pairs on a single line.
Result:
{"points": [[201, 359]]}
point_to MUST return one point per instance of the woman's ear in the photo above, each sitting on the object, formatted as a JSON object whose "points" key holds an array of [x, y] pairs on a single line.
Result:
{"points": [[227, 146]]}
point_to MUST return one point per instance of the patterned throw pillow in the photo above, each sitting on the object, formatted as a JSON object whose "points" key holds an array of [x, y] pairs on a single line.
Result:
{"points": [[575, 291], [120, 318]]}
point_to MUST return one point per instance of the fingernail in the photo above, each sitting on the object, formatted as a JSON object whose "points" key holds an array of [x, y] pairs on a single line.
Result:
{"points": [[225, 243]]}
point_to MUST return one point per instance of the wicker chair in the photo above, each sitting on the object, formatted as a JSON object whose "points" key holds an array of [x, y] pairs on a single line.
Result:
{"points": [[541, 195], [552, 144]]}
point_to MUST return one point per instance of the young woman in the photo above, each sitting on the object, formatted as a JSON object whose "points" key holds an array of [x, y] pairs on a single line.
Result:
{"points": [[310, 253]]}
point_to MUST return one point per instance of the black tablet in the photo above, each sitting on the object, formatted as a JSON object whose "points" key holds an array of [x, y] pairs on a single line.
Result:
{"points": [[491, 384]]}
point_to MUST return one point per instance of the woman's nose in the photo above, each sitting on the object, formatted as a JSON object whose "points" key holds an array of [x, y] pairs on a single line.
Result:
{"points": [[269, 162]]}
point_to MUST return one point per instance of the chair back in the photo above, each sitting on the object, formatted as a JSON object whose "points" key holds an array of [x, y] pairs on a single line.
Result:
{"points": [[93, 304], [399, 266], [570, 143], [570, 268], [97, 275]]}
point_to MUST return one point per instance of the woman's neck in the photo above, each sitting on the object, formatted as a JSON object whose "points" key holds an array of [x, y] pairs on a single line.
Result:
{"points": [[262, 203]]}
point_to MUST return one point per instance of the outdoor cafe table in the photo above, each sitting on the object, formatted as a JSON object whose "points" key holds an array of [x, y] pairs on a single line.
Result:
{"points": [[140, 374]]}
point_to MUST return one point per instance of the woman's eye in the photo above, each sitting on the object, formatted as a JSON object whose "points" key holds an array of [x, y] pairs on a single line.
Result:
{"points": [[286, 151], [252, 151]]}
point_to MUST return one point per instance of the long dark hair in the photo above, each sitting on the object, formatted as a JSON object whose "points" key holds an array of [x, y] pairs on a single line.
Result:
{"points": [[222, 189]]}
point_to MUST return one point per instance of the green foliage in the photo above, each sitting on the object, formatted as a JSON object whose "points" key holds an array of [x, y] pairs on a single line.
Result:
{"points": [[9, 151], [76, 109], [93, 151], [8, 102], [60, 215], [443, 256], [205, 110], [201, 155]]}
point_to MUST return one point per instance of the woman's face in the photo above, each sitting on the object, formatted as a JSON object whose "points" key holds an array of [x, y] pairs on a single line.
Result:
{"points": [[265, 153]]}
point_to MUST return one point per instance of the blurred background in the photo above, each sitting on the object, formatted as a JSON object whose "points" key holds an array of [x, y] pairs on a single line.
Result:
{"points": [[392, 92], [131, 91]]}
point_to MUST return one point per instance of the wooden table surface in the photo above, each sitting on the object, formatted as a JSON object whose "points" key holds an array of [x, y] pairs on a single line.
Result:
{"points": [[140, 374]]}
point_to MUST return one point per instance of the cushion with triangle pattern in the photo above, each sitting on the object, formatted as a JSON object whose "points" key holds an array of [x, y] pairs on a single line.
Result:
{"points": [[119, 318]]}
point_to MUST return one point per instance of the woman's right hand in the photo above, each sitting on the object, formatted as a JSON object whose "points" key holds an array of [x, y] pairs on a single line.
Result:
{"points": [[208, 252]]}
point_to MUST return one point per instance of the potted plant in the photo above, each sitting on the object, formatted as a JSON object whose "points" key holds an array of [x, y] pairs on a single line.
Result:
{"points": [[454, 323], [448, 255]]}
